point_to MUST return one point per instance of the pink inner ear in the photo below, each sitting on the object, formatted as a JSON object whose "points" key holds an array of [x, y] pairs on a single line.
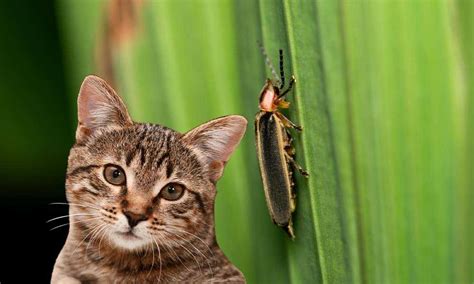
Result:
{"points": [[89, 100], [99, 106], [216, 141], [215, 170], [91, 96]]}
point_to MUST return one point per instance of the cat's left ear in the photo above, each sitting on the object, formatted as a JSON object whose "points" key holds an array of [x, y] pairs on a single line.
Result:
{"points": [[98, 107], [215, 141]]}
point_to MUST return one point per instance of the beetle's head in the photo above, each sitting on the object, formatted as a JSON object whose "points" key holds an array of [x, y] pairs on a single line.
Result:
{"points": [[269, 97]]}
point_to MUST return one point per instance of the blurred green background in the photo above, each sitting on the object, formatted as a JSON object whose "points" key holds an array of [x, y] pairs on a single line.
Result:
{"points": [[384, 93]]}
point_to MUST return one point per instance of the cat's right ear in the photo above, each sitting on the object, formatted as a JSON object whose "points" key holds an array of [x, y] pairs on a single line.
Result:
{"points": [[98, 106], [215, 141]]}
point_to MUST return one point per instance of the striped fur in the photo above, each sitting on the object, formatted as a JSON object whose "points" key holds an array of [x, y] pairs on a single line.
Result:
{"points": [[176, 241]]}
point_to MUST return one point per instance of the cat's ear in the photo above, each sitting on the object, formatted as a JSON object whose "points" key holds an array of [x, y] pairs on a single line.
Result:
{"points": [[215, 141], [98, 106]]}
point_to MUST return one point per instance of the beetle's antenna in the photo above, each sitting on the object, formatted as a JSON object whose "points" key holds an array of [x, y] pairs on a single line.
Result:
{"points": [[290, 86], [282, 70], [268, 62]]}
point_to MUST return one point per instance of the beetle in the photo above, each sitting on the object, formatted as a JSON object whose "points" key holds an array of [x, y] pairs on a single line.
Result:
{"points": [[274, 149]]}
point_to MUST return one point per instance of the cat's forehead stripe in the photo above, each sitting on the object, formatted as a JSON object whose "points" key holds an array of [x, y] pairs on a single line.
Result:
{"points": [[154, 153], [162, 159], [169, 169], [143, 155], [138, 148], [150, 142]]}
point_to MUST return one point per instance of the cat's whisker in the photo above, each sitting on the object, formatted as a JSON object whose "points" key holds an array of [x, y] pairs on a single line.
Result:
{"points": [[182, 263], [174, 252], [146, 249], [57, 227], [70, 215], [192, 254], [170, 248], [103, 235], [159, 257], [152, 248], [94, 236], [175, 255], [91, 205], [75, 222], [205, 257], [94, 232], [201, 240], [91, 231], [153, 253], [158, 231], [180, 229], [98, 236]]}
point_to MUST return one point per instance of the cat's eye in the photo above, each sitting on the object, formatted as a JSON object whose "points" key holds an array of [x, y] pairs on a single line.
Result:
{"points": [[114, 175], [172, 191]]}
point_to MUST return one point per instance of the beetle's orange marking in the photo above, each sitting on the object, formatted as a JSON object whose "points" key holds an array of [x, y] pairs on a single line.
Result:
{"points": [[267, 103]]}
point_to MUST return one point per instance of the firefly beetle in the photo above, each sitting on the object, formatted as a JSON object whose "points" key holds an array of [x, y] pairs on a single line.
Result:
{"points": [[274, 149]]}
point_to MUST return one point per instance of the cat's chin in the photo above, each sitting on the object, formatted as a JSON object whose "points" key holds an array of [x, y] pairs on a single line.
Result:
{"points": [[129, 241]]}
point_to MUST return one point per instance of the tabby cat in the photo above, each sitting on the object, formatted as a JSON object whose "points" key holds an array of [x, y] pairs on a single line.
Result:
{"points": [[141, 197]]}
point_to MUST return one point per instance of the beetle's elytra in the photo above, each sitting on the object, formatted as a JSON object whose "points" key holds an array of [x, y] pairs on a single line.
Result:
{"points": [[275, 151]]}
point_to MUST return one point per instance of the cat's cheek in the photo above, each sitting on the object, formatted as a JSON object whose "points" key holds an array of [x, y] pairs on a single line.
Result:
{"points": [[83, 187]]}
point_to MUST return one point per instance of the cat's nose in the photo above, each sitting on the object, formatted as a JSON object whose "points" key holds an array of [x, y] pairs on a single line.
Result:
{"points": [[133, 218]]}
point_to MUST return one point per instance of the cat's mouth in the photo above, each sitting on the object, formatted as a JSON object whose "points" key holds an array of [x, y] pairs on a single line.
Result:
{"points": [[128, 235]]}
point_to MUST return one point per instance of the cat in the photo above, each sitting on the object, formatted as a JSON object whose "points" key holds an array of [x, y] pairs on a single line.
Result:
{"points": [[141, 197]]}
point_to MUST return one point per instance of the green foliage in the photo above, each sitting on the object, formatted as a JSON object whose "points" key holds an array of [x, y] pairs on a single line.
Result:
{"points": [[31, 84], [382, 93]]}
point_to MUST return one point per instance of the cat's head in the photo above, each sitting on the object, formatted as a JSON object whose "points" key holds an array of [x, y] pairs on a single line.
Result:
{"points": [[137, 184]]}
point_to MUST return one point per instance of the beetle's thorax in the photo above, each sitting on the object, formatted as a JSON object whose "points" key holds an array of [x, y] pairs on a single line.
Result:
{"points": [[269, 97]]}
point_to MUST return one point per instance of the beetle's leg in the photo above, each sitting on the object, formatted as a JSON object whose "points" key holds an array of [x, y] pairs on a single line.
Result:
{"points": [[281, 120], [288, 138], [288, 143], [289, 230], [290, 150], [293, 197], [290, 86], [295, 164], [288, 123]]}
